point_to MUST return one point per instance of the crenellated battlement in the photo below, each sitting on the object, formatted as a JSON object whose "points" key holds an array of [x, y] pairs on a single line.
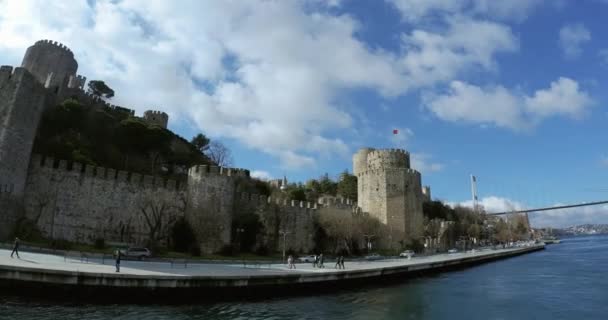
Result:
{"points": [[119, 176], [156, 117], [12, 73], [59, 45], [211, 170], [77, 81], [388, 158], [256, 199]]}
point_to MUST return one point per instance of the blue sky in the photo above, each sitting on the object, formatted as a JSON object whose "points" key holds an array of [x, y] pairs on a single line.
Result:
{"points": [[511, 91]]}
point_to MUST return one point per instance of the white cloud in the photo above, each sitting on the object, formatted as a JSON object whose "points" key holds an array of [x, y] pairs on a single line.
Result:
{"points": [[603, 54], [436, 57], [552, 218], [571, 39], [414, 10], [508, 108], [260, 174], [493, 204], [563, 97], [267, 74], [570, 217], [424, 163]]}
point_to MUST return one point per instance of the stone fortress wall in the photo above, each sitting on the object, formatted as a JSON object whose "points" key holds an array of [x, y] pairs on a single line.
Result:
{"points": [[83, 203]]}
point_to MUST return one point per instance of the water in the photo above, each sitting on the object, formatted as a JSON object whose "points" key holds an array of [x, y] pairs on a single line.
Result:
{"points": [[565, 281]]}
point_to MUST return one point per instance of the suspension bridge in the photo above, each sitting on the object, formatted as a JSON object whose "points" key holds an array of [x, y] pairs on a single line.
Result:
{"points": [[584, 204]]}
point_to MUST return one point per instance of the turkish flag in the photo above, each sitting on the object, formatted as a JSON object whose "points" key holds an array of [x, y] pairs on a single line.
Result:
{"points": [[395, 131]]}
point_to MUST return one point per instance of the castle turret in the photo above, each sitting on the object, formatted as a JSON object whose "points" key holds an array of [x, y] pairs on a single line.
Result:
{"points": [[390, 190], [51, 63], [158, 118]]}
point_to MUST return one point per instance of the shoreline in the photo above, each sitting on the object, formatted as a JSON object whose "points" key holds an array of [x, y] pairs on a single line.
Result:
{"points": [[146, 282]]}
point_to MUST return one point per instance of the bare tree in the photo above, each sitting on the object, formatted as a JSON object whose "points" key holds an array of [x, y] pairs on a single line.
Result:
{"points": [[158, 210], [219, 154]]}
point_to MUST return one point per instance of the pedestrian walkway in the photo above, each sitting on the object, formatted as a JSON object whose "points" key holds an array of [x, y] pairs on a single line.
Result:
{"points": [[154, 269]]}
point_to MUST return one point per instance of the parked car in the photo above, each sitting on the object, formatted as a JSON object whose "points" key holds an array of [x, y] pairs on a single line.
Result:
{"points": [[452, 251], [139, 253], [407, 254], [307, 259], [373, 256]]}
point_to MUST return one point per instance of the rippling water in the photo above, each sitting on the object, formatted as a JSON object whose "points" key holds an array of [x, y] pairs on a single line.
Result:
{"points": [[565, 281]]}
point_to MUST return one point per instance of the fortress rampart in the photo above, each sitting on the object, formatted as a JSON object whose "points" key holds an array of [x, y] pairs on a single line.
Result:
{"points": [[82, 203], [158, 118]]}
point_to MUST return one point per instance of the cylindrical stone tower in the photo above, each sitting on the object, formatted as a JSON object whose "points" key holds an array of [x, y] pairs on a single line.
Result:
{"points": [[46, 58]]}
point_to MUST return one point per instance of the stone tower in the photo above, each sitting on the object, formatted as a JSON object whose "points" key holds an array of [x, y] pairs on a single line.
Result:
{"points": [[390, 190], [158, 118], [52, 64], [21, 104]]}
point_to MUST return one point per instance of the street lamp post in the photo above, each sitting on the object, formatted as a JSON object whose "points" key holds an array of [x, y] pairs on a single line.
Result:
{"points": [[284, 234], [239, 231]]}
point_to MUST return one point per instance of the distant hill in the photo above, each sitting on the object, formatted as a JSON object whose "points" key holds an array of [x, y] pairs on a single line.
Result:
{"points": [[583, 229]]}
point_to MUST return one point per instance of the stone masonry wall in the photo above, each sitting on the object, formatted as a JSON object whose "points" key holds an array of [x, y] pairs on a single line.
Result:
{"points": [[82, 203], [21, 103]]}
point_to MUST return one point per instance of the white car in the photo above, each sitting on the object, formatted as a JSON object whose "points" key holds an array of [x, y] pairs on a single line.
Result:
{"points": [[407, 254], [139, 253], [307, 259], [452, 251]]}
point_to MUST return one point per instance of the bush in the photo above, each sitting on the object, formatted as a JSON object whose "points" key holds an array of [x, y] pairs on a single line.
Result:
{"points": [[100, 243], [227, 250], [262, 250], [182, 236], [61, 244], [195, 250]]}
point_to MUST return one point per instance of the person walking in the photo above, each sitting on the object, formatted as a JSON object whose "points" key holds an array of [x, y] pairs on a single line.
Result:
{"points": [[321, 261], [15, 248], [290, 262], [118, 254], [337, 266], [342, 261], [315, 261]]}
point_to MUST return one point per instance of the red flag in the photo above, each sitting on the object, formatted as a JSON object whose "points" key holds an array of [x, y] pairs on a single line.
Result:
{"points": [[395, 131]]}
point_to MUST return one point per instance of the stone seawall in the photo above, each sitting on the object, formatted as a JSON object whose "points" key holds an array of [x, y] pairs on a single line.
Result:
{"points": [[229, 281]]}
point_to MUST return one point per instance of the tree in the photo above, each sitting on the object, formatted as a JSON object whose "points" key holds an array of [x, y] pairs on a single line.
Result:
{"points": [[100, 89], [347, 186], [201, 142], [219, 154], [158, 211]]}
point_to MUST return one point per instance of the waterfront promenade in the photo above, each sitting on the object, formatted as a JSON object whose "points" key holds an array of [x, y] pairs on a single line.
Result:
{"points": [[34, 269]]}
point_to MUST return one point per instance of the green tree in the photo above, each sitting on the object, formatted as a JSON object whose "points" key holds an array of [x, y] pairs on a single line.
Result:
{"points": [[100, 89], [201, 142], [347, 186]]}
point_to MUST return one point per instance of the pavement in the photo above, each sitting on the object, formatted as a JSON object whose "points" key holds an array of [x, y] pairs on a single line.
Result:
{"points": [[152, 268]]}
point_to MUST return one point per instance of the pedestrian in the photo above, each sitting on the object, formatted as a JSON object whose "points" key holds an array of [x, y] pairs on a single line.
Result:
{"points": [[118, 254], [15, 248], [321, 261], [337, 266], [342, 261], [315, 261], [290, 261]]}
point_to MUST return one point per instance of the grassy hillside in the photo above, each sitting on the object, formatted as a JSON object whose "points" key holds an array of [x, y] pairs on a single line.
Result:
{"points": [[113, 138]]}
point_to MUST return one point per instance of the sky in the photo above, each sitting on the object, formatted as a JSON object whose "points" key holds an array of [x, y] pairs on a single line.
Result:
{"points": [[510, 91]]}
